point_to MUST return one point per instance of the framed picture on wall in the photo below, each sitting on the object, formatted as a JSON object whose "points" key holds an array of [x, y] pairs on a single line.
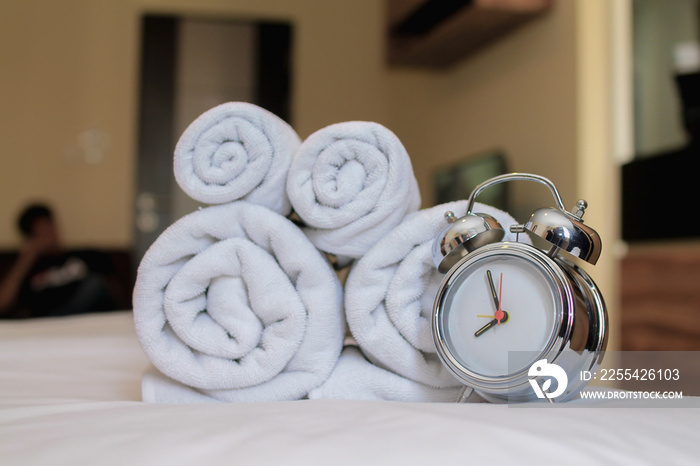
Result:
{"points": [[457, 181]]}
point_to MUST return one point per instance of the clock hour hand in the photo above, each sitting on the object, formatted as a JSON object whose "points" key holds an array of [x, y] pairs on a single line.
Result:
{"points": [[492, 323]]}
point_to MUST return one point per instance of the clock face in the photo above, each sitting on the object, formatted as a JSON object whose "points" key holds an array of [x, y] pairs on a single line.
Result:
{"points": [[499, 314]]}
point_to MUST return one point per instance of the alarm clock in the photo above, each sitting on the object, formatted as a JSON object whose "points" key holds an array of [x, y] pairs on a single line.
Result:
{"points": [[514, 322]]}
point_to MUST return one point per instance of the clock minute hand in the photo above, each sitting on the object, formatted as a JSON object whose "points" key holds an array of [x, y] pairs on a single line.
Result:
{"points": [[500, 313], [493, 290]]}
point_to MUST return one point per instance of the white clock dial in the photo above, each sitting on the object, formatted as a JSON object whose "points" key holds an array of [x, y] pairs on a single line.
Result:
{"points": [[492, 342]]}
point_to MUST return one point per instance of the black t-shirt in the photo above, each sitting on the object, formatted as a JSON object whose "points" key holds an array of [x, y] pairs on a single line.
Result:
{"points": [[54, 279]]}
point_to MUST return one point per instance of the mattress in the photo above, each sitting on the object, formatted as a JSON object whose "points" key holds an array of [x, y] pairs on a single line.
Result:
{"points": [[70, 394]]}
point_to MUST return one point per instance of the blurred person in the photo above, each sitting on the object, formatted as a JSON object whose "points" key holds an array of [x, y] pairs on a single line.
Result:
{"points": [[47, 280]]}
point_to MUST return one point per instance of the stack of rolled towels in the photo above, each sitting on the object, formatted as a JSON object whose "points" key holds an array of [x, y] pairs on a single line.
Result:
{"points": [[236, 302]]}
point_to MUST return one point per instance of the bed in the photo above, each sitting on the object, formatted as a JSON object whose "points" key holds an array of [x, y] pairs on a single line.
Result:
{"points": [[70, 394]]}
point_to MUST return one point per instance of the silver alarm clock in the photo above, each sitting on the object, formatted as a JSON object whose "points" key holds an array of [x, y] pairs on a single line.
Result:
{"points": [[511, 321]]}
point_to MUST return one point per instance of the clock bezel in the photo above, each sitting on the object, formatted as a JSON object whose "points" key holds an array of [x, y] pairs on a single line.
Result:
{"points": [[559, 333]]}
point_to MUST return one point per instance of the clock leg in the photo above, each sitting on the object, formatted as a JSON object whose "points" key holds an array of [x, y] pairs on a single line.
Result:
{"points": [[550, 400], [465, 394]]}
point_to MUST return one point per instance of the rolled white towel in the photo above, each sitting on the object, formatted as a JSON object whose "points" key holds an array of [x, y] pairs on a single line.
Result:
{"points": [[389, 295], [235, 302], [237, 151], [355, 378], [351, 183]]}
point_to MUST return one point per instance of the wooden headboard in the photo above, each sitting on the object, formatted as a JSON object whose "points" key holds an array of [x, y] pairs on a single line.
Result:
{"points": [[661, 297]]}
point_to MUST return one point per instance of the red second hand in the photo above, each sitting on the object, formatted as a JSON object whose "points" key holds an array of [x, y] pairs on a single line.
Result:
{"points": [[499, 313]]}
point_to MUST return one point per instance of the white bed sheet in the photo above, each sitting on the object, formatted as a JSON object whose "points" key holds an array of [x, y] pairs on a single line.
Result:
{"points": [[70, 394]]}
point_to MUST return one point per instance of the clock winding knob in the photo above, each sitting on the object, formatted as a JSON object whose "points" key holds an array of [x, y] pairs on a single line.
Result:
{"points": [[580, 208]]}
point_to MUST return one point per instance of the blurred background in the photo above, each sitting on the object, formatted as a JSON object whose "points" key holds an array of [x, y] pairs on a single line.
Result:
{"points": [[95, 93]]}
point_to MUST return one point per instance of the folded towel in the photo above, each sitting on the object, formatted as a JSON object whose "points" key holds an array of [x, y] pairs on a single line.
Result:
{"points": [[236, 303], [236, 151], [157, 388], [389, 295], [351, 183], [355, 378]]}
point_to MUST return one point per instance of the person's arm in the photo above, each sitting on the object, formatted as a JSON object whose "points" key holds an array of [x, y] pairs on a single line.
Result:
{"points": [[9, 288]]}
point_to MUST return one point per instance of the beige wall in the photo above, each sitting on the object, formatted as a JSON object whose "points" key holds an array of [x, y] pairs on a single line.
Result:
{"points": [[597, 175], [67, 67], [540, 94], [518, 96], [71, 66]]}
